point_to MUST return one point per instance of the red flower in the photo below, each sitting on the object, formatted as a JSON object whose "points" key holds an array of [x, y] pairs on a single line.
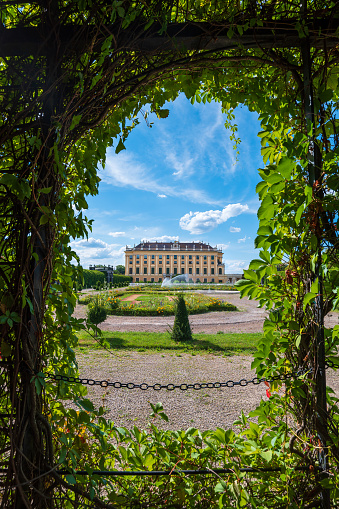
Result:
{"points": [[268, 392]]}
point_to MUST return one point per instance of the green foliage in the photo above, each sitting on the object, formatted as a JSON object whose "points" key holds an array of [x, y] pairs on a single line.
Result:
{"points": [[120, 280], [181, 330], [61, 111], [96, 313], [91, 278], [120, 269]]}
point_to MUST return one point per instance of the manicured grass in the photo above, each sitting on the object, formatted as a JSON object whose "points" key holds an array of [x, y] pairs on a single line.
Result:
{"points": [[223, 344]]}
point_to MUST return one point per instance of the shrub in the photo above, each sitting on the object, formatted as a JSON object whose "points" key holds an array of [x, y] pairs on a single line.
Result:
{"points": [[96, 314], [92, 277], [181, 330]]}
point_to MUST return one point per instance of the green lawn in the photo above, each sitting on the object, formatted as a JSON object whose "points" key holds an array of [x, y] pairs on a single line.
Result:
{"points": [[223, 344]]}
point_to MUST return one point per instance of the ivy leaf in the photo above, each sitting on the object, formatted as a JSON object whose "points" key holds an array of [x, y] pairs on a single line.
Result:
{"points": [[120, 147]]}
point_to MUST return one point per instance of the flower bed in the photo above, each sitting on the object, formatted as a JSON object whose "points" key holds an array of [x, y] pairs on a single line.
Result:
{"points": [[154, 303]]}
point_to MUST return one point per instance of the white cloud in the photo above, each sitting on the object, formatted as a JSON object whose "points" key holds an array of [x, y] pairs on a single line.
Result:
{"points": [[117, 234], [163, 238], [200, 222], [161, 196], [93, 251], [183, 165], [223, 247], [243, 239], [235, 266], [233, 229], [123, 170]]}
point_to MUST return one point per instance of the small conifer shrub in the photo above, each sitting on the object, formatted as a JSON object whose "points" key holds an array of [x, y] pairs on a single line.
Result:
{"points": [[181, 330], [96, 314]]}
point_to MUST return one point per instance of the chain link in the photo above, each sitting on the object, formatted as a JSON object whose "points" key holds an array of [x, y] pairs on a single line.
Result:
{"points": [[171, 387]]}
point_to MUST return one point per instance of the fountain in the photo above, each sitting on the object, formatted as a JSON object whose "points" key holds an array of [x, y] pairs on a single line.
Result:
{"points": [[182, 279]]}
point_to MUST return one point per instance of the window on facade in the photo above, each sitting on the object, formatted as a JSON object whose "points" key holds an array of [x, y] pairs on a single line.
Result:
{"points": [[212, 257], [145, 279], [160, 257], [145, 257], [130, 271], [152, 279], [182, 271], [205, 270], [205, 257], [205, 280], [212, 280], [220, 271], [190, 270], [183, 257], [197, 270], [160, 262], [197, 257], [145, 270], [190, 257], [137, 280], [175, 257], [131, 263], [167, 270], [212, 271], [131, 257], [138, 256], [167, 256], [160, 270], [175, 270], [152, 257], [220, 280], [152, 270], [137, 270]]}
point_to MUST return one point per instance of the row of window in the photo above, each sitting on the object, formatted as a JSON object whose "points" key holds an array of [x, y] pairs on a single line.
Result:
{"points": [[197, 281], [190, 257], [168, 262], [197, 271]]}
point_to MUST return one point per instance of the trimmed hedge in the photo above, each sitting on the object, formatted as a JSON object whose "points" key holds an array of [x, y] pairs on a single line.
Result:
{"points": [[120, 280], [93, 277]]}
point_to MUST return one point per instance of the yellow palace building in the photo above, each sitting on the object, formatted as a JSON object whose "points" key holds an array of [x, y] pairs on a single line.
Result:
{"points": [[153, 261]]}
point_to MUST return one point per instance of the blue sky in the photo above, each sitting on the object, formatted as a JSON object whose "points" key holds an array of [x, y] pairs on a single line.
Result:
{"points": [[179, 179]]}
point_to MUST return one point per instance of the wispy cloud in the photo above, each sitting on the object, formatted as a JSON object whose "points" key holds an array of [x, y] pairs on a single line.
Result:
{"points": [[201, 222], [124, 170], [163, 238], [233, 229], [117, 234], [243, 239], [182, 164], [161, 196]]}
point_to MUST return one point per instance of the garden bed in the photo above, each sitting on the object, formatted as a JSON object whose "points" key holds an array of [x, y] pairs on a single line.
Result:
{"points": [[156, 304]]}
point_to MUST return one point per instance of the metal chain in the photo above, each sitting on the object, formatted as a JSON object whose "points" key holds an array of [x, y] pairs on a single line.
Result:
{"points": [[171, 387]]}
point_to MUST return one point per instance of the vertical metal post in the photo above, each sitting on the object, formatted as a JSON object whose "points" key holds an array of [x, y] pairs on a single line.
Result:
{"points": [[314, 171]]}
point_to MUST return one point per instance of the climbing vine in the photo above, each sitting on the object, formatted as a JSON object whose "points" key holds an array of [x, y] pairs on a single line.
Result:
{"points": [[78, 81]]}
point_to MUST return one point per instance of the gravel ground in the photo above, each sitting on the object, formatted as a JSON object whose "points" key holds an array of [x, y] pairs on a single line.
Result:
{"points": [[206, 408]]}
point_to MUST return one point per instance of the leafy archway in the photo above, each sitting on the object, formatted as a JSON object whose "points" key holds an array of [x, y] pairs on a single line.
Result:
{"points": [[73, 87]]}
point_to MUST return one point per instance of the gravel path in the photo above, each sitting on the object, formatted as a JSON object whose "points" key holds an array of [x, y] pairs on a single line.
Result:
{"points": [[206, 408]]}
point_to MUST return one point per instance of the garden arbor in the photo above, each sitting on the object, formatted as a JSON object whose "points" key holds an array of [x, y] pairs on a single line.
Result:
{"points": [[73, 78]]}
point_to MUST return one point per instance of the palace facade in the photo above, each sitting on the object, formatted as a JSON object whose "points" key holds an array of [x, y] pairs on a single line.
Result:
{"points": [[153, 261]]}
